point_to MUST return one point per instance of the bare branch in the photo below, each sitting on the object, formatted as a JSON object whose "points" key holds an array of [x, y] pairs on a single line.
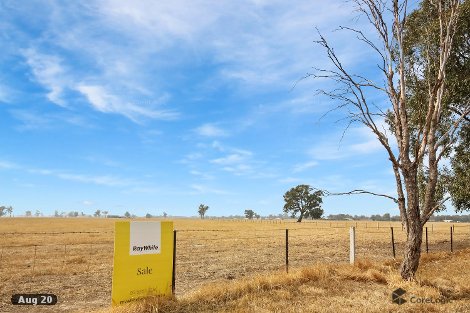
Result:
{"points": [[326, 193]]}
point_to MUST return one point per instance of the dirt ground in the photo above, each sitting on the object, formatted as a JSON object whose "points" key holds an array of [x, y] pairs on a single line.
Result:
{"points": [[73, 257]]}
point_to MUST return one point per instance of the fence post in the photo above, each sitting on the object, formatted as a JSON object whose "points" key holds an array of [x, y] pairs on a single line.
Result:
{"points": [[451, 239], [393, 243], [287, 250], [173, 273], [352, 244]]}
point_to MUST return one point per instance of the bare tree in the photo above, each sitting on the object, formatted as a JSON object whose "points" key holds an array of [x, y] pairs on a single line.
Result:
{"points": [[424, 132]]}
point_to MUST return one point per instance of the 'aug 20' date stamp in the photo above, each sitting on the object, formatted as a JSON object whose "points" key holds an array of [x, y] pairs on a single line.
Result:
{"points": [[34, 299]]}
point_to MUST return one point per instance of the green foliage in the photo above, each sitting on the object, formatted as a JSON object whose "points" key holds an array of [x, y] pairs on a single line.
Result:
{"points": [[459, 180], [250, 214], [4, 210], [127, 214], [421, 50], [303, 201]]}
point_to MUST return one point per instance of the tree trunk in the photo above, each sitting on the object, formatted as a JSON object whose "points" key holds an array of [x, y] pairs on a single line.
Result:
{"points": [[412, 251], [300, 218]]}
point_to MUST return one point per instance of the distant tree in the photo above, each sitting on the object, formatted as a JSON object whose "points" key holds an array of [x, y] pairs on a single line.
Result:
{"points": [[3, 210], [97, 213], [148, 215], [56, 213], [165, 214], [302, 200], [127, 214], [202, 210], [105, 213], [72, 214], [38, 213], [386, 217], [10, 210], [257, 216], [376, 217], [249, 214], [28, 213]]}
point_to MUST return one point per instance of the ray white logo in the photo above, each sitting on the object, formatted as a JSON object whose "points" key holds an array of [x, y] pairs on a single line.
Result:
{"points": [[145, 238], [146, 248]]}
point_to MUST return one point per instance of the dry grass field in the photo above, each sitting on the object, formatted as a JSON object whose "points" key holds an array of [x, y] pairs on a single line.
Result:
{"points": [[72, 258]]}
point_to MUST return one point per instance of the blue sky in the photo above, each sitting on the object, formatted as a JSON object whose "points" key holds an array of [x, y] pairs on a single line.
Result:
{"points": [[152, 106]]}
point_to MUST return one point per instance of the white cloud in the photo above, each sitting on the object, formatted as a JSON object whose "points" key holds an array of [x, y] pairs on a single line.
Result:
{"points": [[5, 93], [202, 189], [357, 141], [7, 165], [31, 120], [201, 175], [48, 71], [106, 102], [104, 180], [230, 159], [304, 166], [210, 130]]}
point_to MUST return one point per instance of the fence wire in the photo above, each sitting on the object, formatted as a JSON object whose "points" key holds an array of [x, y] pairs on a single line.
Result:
{"points": [[212, 255]]}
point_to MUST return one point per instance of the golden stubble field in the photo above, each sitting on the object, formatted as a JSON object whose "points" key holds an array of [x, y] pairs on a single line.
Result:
{"points": [[72, 257]]}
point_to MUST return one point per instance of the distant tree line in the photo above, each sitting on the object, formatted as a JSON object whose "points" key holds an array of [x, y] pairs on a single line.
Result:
{"points": [[396, 218]]}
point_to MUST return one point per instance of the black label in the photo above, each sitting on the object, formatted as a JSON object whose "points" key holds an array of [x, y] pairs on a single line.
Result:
{"points": [[34, 299]]}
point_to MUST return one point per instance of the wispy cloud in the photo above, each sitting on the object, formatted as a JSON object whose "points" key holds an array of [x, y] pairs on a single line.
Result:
{"points": [[48, 70], [210, 130], [104, 180], [202, 175], [304, 166], [30, 120], [104, 101], [203, 189], [357, 141], [289, 180], [8, 165], [5, 93], [235, 161]]}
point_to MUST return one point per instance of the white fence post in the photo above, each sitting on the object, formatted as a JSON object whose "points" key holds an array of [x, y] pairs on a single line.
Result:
{"points": [[352, 244]]}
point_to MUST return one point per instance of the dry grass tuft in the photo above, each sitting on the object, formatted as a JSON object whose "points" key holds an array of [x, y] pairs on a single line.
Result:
{"points": [[364, 287]]}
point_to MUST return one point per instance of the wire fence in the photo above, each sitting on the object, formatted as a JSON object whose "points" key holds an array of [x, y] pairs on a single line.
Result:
{"points": [[209, 255]]}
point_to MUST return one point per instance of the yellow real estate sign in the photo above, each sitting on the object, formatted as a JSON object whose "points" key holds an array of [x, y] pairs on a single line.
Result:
{"points": [[143, 260]]}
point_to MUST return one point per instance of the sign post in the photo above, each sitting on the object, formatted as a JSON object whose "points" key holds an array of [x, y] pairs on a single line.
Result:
{"points": [[143, 260]]}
